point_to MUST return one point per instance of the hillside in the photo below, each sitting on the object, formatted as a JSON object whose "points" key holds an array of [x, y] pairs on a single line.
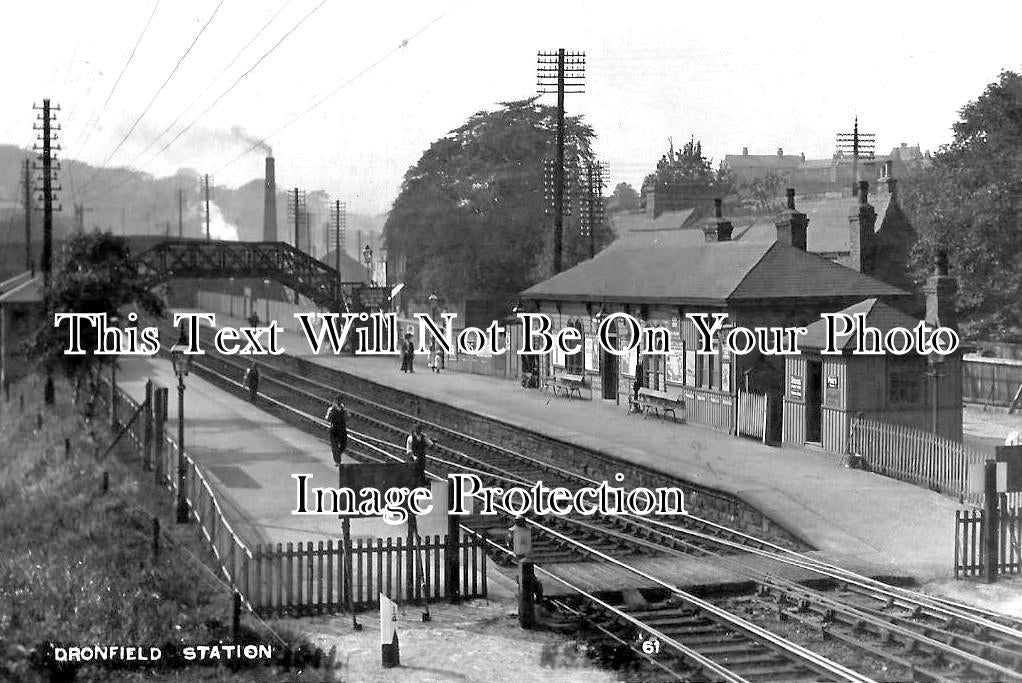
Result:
{"points": [[133, 202]]}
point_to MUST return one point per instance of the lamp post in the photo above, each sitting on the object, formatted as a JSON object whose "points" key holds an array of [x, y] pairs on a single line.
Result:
{"points": [[433, 301], [367, 256], [181, 362], [266, 295], [933, 362]]}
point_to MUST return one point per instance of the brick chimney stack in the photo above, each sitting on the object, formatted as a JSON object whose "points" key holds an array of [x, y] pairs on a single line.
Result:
{"points": [[719, 228], [792, 225], [892, 182], [861, 232], [940, 290], [270, 203]]}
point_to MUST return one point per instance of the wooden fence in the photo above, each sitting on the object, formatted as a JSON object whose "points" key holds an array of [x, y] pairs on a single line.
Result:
{"points": [[969, 560], [991, 381], [916, 456], [752, 415], [314, 577], [291, 578]]}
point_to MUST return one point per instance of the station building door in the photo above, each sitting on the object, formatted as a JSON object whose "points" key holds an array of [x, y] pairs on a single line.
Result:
{"points": [[814, 401], [609, 366]]}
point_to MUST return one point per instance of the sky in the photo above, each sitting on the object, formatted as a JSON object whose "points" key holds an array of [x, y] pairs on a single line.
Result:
{"points": [[349, 96]]}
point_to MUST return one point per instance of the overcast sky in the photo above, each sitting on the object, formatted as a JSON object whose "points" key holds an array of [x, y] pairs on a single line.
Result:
{"points": [[756, 74]]}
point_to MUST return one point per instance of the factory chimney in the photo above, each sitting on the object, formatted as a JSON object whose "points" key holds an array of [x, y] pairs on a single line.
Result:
{"points": [[270, 203]]}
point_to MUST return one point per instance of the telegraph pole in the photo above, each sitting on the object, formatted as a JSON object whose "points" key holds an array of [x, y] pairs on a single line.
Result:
{"points": [[340, 223], [180, 213], [206, 185], [48, 168], [861, 146], [565, 73], [296, 208], [592, 216], [28, 214]]}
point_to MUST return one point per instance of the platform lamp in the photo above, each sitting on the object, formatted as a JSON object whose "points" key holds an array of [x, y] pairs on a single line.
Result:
{"points": [[266, 295], [181, 362], [367, 256], [433, 301]]}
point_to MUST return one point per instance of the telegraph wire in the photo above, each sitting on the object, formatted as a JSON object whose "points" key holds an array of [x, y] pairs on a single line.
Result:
{"points": [[211, 83], [215, 102], [402, 44], [87, 129], [157, 94]]}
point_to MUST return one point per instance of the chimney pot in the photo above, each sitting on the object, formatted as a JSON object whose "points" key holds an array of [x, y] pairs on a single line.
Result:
{"points": [[745, 151], [904, 144], [863, 191], [888, 168], [780, 151], [790, 193]]}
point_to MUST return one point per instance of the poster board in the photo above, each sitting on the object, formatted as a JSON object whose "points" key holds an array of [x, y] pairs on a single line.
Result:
{"points": [[676, 366], [592, 357], [630, 360]]}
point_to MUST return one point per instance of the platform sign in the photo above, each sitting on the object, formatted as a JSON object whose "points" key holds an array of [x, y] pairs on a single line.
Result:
{"points": [[795, 386], [379, 477], [1011, 457], [977, 476]]}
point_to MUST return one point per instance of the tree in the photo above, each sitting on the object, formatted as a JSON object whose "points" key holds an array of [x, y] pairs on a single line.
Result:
{"points": [[95, 274], [969, 202], [625, 198], [472, 217]]}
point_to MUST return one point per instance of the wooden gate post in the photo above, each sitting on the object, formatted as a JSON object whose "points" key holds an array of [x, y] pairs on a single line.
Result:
{"points": [[147, 426], [526, 593], [159, 427], [451, 565], [990, 554]]}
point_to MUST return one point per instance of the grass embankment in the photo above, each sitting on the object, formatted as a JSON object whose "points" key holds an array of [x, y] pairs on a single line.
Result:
{"points": [[77, 566]]}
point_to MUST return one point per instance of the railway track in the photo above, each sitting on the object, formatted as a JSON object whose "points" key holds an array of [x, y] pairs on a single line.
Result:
{"points": [[891, 632]]}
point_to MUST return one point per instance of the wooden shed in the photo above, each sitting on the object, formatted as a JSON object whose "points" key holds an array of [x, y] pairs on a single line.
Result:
{"points": [[824, 391]]}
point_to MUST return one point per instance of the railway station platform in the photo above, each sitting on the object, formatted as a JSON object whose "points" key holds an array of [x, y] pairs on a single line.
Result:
{"points": [[855, 519], [250, 456]]}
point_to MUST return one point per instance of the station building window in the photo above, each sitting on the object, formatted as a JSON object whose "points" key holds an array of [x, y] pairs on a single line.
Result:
{"points": [[654, 370], [905, 381], [574, 364]]}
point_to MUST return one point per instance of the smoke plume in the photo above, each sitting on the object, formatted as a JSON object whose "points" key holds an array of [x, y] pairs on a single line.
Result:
{"points": [[250, 140]]}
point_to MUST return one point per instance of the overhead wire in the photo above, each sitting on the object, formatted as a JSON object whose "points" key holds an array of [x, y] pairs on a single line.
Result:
{"points": [[87, 128], [315, 105], [222, 95], [206, 89], [159, 90]]}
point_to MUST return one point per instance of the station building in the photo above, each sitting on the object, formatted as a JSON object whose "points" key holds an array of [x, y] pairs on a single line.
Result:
{"points": [[660, 275]]}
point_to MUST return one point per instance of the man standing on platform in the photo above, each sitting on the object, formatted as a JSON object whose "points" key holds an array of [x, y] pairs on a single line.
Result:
{"points": [[337, 416]]}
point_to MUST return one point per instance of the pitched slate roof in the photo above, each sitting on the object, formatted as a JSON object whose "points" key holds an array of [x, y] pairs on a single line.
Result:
{"points": [[828, 230], [878, 315], [716, 273]]}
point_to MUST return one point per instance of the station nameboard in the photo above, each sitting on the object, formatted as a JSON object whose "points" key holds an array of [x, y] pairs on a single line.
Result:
{"points": [[378, 476]]}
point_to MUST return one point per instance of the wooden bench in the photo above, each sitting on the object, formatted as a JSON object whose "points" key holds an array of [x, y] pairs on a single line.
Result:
{"points": [[660, 402], [568, 384]]}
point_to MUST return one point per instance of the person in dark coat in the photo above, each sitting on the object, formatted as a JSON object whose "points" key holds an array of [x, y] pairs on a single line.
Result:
{"points": [[337, 416], [408, 354], [415, 448], [252, 381]]}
